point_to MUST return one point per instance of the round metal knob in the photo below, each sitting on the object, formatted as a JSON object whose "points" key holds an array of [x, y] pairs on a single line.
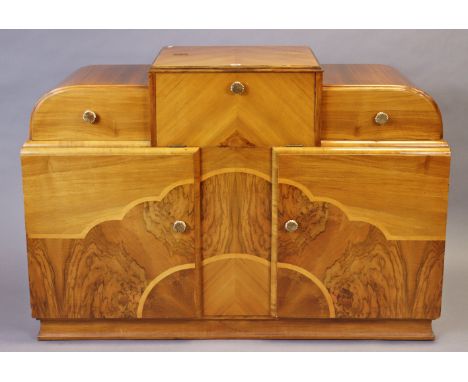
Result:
{"points": [[179, 226], [291, 226], [237, 87], [381, 118], [89, 116]]}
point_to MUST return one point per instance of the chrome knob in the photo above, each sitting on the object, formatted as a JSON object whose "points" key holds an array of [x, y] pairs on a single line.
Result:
{"points": [[291, 226], [179, 226], [89, 116], [237, 87], [381, 118]]}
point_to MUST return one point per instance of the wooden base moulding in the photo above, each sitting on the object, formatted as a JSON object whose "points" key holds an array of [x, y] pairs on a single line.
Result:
{"points": [[318, 329]]}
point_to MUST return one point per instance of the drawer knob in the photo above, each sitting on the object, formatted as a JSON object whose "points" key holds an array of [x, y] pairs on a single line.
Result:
{"points": [[291, 226], [89, 116], [381, 118], [179, 226], [237, 87]]}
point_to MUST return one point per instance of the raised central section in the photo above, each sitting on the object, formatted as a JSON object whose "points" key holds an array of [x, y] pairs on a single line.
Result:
{"points": [[235, 96]]}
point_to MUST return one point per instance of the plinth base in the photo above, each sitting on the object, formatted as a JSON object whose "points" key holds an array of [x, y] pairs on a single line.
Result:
{"points": [[318, 329]]}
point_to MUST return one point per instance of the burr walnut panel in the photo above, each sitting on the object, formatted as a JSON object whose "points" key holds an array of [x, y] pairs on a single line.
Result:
{"points": [[298, 296], [107, 273], [173, 297], [236, 213], [366, 275]]}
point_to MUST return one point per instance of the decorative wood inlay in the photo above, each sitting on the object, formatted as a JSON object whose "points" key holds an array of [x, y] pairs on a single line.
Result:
{"points": [[236, 212], [105, 274], [234, 306], [367, 275], [219, 160], [236, 140], [323, 290], [210, 260], [235, 256], [299, 296], [274, 239], [156, 281], [231, 170], [117, 216], [161, 301], [401, 190], [68, 191], [236, 286]]}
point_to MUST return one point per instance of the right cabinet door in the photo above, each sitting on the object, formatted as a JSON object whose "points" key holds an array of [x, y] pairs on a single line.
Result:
{"points": [[360, 232]]}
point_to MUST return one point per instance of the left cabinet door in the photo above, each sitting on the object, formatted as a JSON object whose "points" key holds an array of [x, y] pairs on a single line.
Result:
{"points": [[112, 232]]}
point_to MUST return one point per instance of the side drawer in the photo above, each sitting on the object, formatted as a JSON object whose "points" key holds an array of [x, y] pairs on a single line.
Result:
{"points": [[350, 112], [121, 113]]}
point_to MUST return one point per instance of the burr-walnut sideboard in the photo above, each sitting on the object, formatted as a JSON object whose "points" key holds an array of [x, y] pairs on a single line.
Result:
{"points": [[236, 192]]}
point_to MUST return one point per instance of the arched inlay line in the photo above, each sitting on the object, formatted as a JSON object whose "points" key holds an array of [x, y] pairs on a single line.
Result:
{"points": [[119, 215], [230, 256], [235, 256], [156, 281], [227, 170], [350, 216], [315, 280]]}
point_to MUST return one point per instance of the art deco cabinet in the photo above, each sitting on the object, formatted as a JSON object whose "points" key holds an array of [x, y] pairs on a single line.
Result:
{"points": [[236, 192]]}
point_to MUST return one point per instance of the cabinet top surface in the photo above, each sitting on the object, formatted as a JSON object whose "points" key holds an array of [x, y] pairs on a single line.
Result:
{"points": [[186, 58]]}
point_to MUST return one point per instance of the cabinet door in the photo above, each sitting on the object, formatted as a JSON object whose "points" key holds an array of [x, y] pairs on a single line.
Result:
{"points": [[100, 232], [369, 238]]}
